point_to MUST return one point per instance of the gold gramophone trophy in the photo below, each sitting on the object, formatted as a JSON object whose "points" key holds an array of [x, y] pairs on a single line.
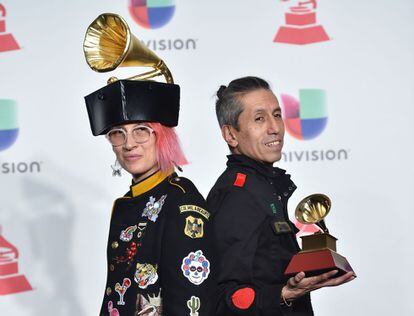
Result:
{"points": [[318, 253], [109, 44]]}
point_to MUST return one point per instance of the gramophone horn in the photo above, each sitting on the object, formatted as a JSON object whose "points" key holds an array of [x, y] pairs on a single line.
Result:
{"points": [[313, 209], [109, 44]]}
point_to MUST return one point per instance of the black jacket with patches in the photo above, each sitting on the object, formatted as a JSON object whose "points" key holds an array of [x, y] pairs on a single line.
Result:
{"points": [[254, 237], [159, 251]]}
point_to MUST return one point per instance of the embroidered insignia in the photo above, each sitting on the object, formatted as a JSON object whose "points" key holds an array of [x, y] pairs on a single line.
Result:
{"points": [[112, 311], [194, 305], [141, 228], [121, 289], [240, 180], [273, 207], [152, 209], [145, 275], [281, 227], [194, 208], [128, 233], [152, 306], [194, 227], [196, 267]]}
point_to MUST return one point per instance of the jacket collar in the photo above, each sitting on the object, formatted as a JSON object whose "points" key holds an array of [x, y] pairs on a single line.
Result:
{"points": [[266, 170], [149, 183], [282, 180]]}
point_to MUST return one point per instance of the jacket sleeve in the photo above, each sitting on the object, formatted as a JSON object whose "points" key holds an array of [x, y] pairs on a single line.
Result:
{"points": [[187, 258], [237, 224]]}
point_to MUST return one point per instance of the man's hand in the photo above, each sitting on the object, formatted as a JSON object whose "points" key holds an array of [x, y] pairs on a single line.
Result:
{"points": [[300, 285]]}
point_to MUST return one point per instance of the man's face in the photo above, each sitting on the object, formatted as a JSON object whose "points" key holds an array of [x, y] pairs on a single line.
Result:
{"points": [[261, 128]]}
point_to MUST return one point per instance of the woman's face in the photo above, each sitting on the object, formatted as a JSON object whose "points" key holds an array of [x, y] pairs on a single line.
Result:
{"points": [[139, 159]]}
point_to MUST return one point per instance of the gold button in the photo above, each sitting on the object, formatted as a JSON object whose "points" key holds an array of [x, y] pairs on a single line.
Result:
{"points": [[111, 267], [115, 245], [108, 291]]}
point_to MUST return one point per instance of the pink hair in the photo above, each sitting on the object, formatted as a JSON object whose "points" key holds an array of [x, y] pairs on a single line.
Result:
{"points": [[169, 152]]}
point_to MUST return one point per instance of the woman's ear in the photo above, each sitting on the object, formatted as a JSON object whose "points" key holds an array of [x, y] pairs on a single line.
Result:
{"points": [[229, 135]]}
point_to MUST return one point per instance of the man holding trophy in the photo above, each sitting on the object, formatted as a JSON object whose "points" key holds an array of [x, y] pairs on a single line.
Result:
{"points": [[255, 238]]}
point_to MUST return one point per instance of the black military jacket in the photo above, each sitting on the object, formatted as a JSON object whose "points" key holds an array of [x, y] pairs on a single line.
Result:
{"points": [[255, 239], [159, 251]]}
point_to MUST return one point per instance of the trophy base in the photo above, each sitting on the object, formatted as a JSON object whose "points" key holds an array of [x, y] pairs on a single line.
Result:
{"points": [[318, 241], [14, 284], [301, 36], [318, 262], [7, 42]]}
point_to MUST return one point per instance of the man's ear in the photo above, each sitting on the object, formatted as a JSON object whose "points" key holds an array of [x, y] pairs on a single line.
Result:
{"points": [[229, 136]]}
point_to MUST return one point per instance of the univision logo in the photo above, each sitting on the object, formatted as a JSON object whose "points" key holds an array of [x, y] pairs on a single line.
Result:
{"points": [[8, 123], [154, 14], [9, 131], [305, 118], [151, 14]]}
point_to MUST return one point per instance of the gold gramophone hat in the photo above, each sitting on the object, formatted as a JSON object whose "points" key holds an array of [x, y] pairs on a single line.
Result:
{"points": [[108, 45]]}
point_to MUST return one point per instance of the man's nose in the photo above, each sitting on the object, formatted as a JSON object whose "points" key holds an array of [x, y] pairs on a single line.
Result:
{"points": [[274, 126]]}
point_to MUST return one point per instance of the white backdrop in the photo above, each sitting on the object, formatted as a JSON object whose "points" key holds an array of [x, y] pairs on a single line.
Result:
{"points": [[58, 216]]}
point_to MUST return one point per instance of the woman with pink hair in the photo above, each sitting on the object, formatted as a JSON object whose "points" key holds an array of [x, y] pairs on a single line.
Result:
{"points": [[162, 219]]}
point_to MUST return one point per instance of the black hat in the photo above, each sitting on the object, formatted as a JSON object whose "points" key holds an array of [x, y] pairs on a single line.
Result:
{"points": [[133, 100]]}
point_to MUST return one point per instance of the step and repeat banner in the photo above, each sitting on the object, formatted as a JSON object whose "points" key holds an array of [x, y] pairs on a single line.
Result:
{"points": [[343, 72]]}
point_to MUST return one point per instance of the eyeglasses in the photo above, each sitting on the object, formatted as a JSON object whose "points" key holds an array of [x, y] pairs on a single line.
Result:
{"points": [[140, 134]]}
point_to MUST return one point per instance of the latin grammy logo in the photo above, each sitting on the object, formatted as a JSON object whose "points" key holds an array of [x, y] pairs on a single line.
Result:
{"points": [[7, 41], [301, 26], [10, 279]]}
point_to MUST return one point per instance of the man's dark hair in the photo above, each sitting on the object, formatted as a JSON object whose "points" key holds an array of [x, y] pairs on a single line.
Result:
{"points": [[228, 104]]}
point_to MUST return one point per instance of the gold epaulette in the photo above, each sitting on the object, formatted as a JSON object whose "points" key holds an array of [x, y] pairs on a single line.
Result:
{"points": [[175, 181]]}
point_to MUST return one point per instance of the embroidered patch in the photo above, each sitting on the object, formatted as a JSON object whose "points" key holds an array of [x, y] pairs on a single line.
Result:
{"points": [[128, 233], [121, 289], [196, 209], [145, 275], [112, 311], [281, 227], [152, 209], [130, 253], [194, 227], [194, 305], [243, 298], [196, 267], [152, 306], [141, 228], [240, 180]]}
